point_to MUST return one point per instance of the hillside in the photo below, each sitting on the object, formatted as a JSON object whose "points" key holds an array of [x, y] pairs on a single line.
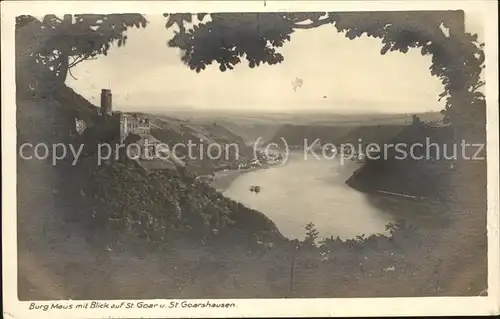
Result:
{"points": [[162, 205], [120, 195], [208, 139], [392, 171], [250, 132], [264, 126]]}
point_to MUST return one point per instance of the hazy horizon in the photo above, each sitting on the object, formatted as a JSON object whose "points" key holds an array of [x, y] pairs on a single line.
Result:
{"points": [[338, 75]]}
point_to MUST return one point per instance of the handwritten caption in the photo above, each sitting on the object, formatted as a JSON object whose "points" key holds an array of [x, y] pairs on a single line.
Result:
{"points": [[54, 306]]}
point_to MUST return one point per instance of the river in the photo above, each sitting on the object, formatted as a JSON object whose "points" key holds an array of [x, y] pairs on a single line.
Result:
{"points": [[308, 190]]}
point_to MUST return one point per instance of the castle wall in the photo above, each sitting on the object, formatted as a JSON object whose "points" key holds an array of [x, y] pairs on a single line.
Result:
{"points": [[132, 124], [124, 127], [122, 124]]}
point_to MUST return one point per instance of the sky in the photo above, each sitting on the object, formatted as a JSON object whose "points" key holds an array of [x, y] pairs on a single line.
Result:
{"points": [[147, 76]]}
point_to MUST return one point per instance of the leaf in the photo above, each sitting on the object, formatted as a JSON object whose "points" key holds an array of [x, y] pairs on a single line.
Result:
{"points": [[201, 16], [442, 95], [170, 22], [385, 48]]}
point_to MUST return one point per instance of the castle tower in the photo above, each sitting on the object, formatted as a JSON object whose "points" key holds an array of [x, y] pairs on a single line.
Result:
{"points": [[106, 102]]}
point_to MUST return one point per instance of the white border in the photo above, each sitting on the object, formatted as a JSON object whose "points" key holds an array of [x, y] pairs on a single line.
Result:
{"points": [[437, 306]]}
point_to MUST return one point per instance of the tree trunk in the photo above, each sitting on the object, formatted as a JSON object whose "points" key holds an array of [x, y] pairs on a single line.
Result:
{"points": [[64, 68], [65, 49]]}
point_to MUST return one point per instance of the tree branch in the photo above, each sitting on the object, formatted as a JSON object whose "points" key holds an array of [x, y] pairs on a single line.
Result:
{"points": [[477, 86], [69, 72]]}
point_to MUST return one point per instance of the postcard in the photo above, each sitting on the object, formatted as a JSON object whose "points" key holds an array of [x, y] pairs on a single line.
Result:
{"points": [[250, 159]]}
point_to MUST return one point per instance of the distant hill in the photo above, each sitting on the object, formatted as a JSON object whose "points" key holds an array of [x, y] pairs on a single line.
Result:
{"points": [[264, 126], [352, 128], [203, 136], [300, 118], [251, 132], [299, 135]]}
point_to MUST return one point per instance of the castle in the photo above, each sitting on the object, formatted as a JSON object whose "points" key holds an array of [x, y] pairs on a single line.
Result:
{"points": [[128, 123]]}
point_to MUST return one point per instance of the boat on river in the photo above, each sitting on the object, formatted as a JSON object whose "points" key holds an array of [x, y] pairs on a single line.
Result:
{"points": [[255, 189]]}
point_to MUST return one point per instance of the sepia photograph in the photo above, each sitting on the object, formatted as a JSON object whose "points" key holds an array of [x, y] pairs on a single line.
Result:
{"points": [[249, 158]]}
